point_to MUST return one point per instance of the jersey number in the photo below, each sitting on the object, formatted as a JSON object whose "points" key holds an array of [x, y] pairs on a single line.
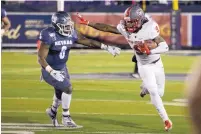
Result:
{"points": [[157, 29], [63, 51]]}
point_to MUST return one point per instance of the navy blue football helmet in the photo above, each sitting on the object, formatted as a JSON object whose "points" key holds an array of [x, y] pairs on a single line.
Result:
{"points": [[63, 23]]}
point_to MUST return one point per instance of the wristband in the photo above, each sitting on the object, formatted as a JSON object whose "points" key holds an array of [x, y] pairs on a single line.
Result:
{"points": [[48, 68]]}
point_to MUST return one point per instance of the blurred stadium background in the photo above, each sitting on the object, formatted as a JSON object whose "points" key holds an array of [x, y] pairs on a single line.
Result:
{"points": [[105, 98]]}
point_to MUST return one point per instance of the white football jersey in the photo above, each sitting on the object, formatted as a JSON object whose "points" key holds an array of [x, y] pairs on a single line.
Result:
{"points": [[149, 30]]}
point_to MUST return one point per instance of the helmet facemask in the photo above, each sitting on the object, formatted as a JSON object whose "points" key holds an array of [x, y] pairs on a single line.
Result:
{"points": [[66, 29], [132, 25]]}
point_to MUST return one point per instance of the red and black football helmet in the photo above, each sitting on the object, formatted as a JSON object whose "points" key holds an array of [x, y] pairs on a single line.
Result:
{"points": [[133, 18]]}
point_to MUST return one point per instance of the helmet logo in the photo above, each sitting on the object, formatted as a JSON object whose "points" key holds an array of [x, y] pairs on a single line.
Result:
{"points": [[54, 18], [139, 12]]}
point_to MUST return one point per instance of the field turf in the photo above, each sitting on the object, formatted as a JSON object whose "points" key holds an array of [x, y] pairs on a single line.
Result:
{"points": [[100, 106]]}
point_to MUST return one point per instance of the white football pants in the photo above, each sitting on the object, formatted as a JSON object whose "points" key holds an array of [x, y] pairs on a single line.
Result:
{"points": [[153, 78]]}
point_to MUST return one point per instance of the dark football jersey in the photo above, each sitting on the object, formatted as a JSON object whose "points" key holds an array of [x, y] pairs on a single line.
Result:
{"points": [[59, 47]]}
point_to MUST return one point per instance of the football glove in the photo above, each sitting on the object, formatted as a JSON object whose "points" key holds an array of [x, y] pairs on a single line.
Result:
{"points": [[58, 75], [82, 20], [111, 49]]}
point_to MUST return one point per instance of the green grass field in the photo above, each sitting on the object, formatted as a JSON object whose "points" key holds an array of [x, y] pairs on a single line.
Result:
{"points": [[100, 106]]}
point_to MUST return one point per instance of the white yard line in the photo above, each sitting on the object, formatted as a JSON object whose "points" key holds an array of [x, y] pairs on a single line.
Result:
{"points": [[182, 104], [36, 127], [84, 113], [117, 133], [93, 132], [93, 100], [20, 70], [16, 132]]}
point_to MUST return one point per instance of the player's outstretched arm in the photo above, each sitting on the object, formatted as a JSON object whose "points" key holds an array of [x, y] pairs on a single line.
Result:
{"points": [[93, 43], [162, 46], [104, 27], [98, 26]]}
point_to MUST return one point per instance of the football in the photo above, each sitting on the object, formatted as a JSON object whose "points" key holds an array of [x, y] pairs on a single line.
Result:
{"points": [[151, 44], [140, 47]]}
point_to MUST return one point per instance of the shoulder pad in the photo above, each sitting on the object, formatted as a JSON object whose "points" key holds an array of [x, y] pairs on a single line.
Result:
{"points": [[45, 36]]}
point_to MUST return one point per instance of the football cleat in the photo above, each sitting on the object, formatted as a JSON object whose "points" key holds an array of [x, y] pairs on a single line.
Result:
{"points": [[168, 125], [67, 121], [53, 116], [142, 94]]}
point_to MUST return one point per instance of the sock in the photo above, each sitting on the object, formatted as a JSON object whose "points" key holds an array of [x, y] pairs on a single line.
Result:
{"points": [[55, 104], [157, 102], [66, 100]]}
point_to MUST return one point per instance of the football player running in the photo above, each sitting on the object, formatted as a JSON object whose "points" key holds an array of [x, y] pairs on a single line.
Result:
{"points": [[55, 43], [137, 28]]}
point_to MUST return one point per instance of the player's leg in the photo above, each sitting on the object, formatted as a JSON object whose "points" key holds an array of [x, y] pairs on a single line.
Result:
{"points": [[149, 80], [160, 80], [56, 100], [64, 90], [144, 90], [66, 100], [160, 77], [52, 110], [135, 74]]}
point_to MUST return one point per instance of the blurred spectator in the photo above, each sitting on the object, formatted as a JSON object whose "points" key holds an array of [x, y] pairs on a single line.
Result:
{"points": [[4, 21], [111, 2], [163, 1], [194, 98]]}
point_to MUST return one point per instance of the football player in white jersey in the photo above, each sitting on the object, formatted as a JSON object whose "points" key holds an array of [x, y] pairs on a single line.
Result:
{"points": [[138, 28]]}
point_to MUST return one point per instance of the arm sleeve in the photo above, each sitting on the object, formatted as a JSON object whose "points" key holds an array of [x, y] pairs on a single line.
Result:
{"points": [[162, 48], [45, 37]]}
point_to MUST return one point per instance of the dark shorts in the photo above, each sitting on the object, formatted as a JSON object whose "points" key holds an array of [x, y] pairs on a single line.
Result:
{"points": [[53, 82]]}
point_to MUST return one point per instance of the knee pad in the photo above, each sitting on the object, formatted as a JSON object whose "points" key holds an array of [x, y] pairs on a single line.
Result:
{"points": [[68, 90]]}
